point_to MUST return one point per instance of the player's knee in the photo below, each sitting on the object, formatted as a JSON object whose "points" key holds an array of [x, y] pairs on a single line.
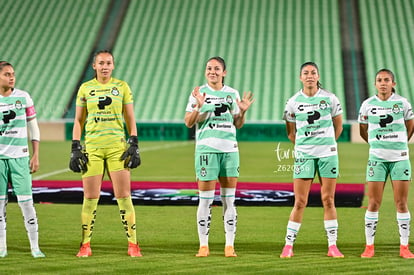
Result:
{"points": [[374, 205], [329, 205], [401, 206], [328, 202], [300, 203]]}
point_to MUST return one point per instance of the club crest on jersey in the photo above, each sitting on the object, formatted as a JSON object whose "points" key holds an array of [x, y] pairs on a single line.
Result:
{"points": [[395, 109], [229, 99], [203, 172], [115, 91], [323, 105], [18, 104]]}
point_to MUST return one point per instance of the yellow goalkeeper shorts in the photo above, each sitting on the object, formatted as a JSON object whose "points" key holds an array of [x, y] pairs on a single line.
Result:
{"points": [[104, 159]]}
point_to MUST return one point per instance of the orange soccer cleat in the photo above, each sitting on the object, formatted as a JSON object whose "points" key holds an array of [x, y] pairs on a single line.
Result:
{"points": [[334, 252], [368, 252], [85, 250], [287, 252], [229, 251], [134, 250], [203, 251], [405, 252]]}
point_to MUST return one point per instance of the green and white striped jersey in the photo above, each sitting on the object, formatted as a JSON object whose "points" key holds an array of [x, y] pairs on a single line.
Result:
{"points": [[15, 110], [216, 133], [315, 134], [387, 134]]}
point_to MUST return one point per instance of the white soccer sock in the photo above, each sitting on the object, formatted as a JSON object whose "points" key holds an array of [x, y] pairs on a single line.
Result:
{"points": [[3, 238], [204, 215], [371, 221], [331, 228], [403, 220], [228, 196], [292, 232], [30, 219]]}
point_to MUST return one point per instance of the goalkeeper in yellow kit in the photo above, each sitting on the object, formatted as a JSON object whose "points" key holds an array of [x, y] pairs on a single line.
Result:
{"points": [[103, 104]]}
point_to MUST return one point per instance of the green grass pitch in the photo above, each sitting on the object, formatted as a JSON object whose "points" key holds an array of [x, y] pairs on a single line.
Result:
{"points": [[168, 234]]}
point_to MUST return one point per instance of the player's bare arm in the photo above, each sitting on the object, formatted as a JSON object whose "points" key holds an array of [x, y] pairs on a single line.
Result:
{"points": [[409, 124], [291, 131], [363, 131], [337, 124]]}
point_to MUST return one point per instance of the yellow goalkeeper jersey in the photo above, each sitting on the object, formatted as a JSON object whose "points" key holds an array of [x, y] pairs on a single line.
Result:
{"points": [[104, 126]]}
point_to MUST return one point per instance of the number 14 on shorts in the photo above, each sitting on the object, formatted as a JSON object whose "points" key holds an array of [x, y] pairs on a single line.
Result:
{"points": [[203, 160]]}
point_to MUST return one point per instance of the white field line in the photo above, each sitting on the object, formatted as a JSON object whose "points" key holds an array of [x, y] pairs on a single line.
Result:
{"points": [[145, 149]]}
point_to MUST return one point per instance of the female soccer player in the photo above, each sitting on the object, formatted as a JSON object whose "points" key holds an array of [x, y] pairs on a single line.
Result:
{"points": [[386, 122], [18, 118], [216, 110], [102, 105], [314, 123]]}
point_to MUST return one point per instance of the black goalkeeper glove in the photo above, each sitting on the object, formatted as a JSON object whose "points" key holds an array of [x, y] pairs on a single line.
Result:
{"points": [[131, 155], [78, 159]]}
